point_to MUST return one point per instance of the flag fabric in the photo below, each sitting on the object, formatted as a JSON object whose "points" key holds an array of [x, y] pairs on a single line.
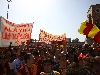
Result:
{"points": [[90, 30], [48, 38], [15, 33], [82, 27]]}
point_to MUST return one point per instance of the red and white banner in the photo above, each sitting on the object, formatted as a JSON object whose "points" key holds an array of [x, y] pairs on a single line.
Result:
{"points": [[48, 38], [15, 33]]}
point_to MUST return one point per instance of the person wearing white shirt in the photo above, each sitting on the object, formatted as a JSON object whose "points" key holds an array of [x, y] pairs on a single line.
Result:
{"points": [[17, 63]]}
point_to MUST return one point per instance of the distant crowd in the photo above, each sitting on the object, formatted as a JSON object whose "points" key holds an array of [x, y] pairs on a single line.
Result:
{"points": [[56, 60]]}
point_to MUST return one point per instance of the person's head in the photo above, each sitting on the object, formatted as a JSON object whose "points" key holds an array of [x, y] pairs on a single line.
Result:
{"points": [[10, 43], [8, 54], [42, 52], [22, 54], [51, 51], [47, 65], [72, 50], [28, 58], [13, 50], [78, 51], [35, 54], [94, 63], [96, 53], [57, 52], [2, 60], [84, 52], [71, 57], [86, 71], [76, 69]]}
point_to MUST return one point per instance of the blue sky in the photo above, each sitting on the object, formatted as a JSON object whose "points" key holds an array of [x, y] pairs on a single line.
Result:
{"points": [[53, 16]]}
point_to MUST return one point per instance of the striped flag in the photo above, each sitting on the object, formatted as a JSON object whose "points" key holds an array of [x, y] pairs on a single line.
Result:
{"points": [[90, 30]]}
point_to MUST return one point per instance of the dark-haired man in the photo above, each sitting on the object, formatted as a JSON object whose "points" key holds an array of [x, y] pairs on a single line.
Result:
{"points": [[17, 63], [47, 66]]}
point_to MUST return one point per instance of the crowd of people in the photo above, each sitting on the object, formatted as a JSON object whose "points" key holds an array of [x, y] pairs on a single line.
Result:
{"points": [[55, 60]]}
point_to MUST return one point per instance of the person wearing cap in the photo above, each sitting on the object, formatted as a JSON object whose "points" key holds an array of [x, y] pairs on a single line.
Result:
{"points": [[27, 68], [47, 67], [17, 63], [4, 67]]}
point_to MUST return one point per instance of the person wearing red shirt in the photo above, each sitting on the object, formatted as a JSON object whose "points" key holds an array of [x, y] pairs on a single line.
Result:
{"points": [[28, 68], [83, 55]]}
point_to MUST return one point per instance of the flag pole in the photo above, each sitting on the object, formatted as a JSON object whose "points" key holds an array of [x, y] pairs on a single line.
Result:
{"points": [[8, 6]]}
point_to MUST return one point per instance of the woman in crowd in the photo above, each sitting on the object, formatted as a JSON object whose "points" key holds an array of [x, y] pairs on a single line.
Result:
{"points": [[27, 68]]}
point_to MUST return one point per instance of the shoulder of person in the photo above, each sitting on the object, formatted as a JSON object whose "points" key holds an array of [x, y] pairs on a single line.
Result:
{"points": [[34, 65], [15, 62]]}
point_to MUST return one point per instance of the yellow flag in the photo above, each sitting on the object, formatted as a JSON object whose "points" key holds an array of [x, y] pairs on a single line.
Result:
{"points": [[82, 27], [93, 31]]}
